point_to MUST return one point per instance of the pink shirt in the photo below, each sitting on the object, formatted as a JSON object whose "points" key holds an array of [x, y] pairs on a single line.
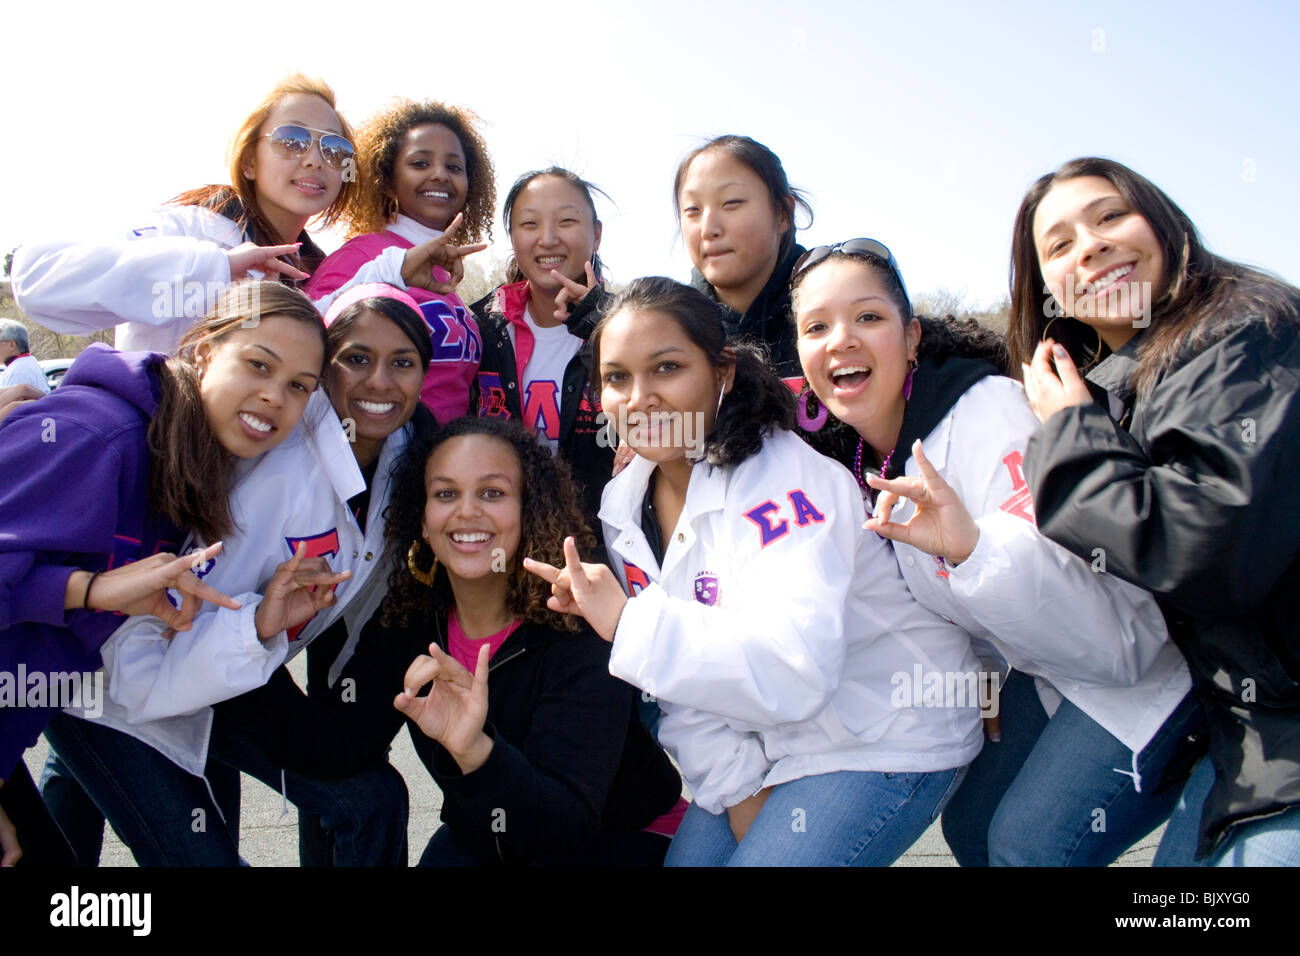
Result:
{"points": [[465, 651], [453, 331]]}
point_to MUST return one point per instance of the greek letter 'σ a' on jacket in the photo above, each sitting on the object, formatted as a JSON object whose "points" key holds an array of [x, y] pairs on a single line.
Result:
{"points": [[779, 637]]}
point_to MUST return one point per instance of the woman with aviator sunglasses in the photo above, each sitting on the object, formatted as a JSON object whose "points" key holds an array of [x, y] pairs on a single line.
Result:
{"points": [[1096, 710], [290, 161]]}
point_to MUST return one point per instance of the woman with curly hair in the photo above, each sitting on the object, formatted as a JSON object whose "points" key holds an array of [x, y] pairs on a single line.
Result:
{"points": [[1096, 707], [552, 766], [290, 161], [773, 632], [425, 171]]}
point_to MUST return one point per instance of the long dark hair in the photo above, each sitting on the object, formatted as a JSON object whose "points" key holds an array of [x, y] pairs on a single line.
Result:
{"points": [[1198, 292], [766, 165], [941, 336], [190, 472], [550, 510], [513, 272], [758, 401]]}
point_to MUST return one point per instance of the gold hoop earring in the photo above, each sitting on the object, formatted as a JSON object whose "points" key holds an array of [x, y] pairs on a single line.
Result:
{"points": [[1096, 353], [424, 577]]}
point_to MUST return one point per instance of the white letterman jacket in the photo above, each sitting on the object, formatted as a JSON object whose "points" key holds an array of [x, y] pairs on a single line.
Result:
{"points": [[775, 634]]}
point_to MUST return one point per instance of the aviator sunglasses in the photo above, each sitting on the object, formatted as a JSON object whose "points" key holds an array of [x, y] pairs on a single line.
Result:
{"points": [[292, 142], [858, 247]]}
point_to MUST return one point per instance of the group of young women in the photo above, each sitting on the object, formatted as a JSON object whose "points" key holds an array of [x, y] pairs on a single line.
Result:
{"points": [[879, 537]]}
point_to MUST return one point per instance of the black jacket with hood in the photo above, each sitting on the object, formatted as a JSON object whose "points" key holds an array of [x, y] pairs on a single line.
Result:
{"points": [[1195, 502], [768, 317]]}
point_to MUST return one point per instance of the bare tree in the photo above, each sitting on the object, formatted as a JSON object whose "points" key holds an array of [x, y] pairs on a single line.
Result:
{"points": [[44, 343]]}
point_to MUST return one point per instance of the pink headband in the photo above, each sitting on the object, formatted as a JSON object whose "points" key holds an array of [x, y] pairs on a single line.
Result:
{"points": [[368, 290]]}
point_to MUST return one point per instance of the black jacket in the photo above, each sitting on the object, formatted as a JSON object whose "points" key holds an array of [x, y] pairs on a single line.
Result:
{"points": [[768, 317], [570, 758], [582, 445], [1196, 503]]}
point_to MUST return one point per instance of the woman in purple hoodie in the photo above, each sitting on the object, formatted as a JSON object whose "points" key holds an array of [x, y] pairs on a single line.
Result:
{"points": [[95, 481]]}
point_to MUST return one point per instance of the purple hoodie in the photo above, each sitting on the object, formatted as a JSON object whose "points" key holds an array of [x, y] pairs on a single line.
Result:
{"points": [[74, 493]]}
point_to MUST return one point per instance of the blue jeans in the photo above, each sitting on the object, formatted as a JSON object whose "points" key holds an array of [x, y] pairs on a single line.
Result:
{"points": [[847, 818], [1059, 792], [1272, 841], [154, 805], [162, 813]]}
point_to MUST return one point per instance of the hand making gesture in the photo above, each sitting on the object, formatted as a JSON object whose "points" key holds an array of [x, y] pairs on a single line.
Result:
{"points": [[419, 261], [455, 709], [941, 524], [587, 590]]}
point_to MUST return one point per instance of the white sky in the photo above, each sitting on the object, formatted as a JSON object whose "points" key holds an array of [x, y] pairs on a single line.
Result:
{"points": [[918, 125]]}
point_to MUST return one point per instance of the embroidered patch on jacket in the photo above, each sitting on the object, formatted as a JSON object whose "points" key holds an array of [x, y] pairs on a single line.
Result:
{"points": [[706, 588]]}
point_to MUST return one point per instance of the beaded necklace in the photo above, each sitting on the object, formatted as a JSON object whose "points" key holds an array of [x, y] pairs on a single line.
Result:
{"points": [[859, 474]]}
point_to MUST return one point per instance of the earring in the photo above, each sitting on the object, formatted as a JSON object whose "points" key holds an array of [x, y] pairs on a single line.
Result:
{"points": [[721, 395], [424, 577], [907, 382], [811, 414]]}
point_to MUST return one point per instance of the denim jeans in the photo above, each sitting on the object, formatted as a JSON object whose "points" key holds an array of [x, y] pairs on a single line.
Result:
{"points": [[162, 813], [155, 806], [1272, 841], [1060, 792], [847, 818]]}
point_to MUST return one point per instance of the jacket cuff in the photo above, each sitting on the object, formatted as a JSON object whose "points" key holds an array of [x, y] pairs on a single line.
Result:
{"points": [[630, 654], [39, 598], [584, 314]]}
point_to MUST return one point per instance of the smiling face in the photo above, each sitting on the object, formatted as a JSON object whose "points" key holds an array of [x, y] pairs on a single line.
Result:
{"points": [[375, 379], [429, 175], [1099, 257], [660, 386], [291, 190], [552, 227], [731, 228], [473, 506], [855, 347], [256, 381]]}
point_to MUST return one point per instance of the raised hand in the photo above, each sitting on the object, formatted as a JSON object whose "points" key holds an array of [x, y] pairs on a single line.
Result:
{"points": [[299, 588], [264, 259], [571, 291], [586, 590], [941, 524], [1050, 390], [141, 588], [419, 262], [455, 709]]}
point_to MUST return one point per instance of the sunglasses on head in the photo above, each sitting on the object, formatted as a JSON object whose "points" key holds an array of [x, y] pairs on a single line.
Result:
{"points": [[857, 247], [292, 142]]}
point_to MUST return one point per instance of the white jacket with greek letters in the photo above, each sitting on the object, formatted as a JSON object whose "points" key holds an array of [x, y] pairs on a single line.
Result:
{"points": [[161, 690], [152, 282], [1099, 641], [777, 634]]}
